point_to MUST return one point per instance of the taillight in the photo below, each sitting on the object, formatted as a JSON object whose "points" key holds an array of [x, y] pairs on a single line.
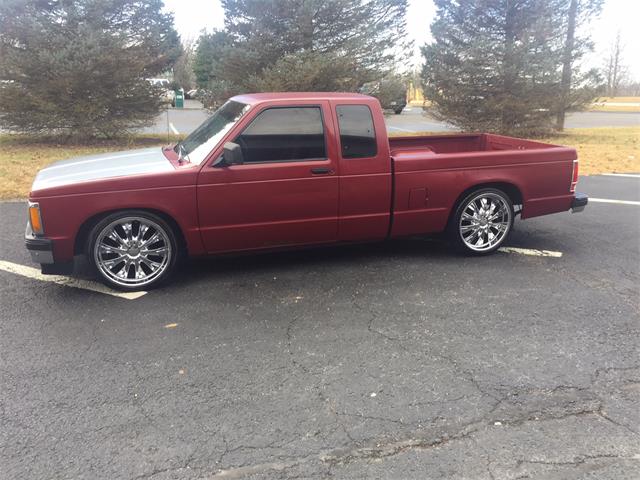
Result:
{"points": [[574, 177]]}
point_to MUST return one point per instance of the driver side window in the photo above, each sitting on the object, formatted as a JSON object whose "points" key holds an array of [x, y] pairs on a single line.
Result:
{"points": [[284, 135]]}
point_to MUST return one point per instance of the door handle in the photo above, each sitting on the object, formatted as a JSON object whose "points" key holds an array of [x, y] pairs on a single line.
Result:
{"points": [[321, 171]]}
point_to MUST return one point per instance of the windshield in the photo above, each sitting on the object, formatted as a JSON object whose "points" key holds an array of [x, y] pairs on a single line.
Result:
{"points": [[203, 139]]}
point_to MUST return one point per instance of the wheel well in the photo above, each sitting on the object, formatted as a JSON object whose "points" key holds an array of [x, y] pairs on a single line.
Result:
{"points": [[85, 228], [510, 189]]}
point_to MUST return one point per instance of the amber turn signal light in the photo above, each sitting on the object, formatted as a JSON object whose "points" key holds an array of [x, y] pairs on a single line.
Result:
{"points": [[35, 219]]}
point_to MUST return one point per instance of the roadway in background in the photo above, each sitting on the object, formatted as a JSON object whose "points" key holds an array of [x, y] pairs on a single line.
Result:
{"points": [[411, 120]]}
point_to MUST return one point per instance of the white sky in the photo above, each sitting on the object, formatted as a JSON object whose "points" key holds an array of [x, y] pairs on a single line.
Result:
{"points": [[193, 16]]}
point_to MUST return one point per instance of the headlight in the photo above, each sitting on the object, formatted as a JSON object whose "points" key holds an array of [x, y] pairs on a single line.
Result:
{"points": [[35, 219]]}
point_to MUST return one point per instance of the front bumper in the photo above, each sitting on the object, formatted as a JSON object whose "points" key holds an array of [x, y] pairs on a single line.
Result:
{"points": [[580, 200], [40, 248]]}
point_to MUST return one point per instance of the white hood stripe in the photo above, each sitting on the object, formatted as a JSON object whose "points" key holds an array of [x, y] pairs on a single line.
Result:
{"points": [[121, 171], [101, 159]]}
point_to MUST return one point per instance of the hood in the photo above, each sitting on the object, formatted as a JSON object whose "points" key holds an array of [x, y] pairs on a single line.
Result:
{"points": [[102, 166]]}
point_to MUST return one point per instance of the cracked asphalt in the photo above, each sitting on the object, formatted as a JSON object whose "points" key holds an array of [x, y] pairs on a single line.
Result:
{"points": [[398, 360]]}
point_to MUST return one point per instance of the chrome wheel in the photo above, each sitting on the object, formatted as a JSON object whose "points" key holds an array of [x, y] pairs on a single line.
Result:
{"points": [[132, 251], [485, 221]]}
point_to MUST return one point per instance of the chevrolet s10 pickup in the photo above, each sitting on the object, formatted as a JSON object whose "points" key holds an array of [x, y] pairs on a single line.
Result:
{"points": [[284, 170]]}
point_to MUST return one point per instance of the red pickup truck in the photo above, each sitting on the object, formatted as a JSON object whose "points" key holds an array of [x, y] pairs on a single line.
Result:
{"points": [[282, 170]]}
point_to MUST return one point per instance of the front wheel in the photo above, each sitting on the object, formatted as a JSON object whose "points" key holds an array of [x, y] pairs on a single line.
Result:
{"points": [[482, 221], [132, 250]]}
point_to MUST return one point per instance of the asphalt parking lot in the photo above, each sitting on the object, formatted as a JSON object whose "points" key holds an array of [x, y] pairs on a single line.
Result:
{"points": [[398, 360]]}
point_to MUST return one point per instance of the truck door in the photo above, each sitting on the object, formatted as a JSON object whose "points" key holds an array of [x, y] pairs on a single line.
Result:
{"points": [[285, 193], [365, 172]]}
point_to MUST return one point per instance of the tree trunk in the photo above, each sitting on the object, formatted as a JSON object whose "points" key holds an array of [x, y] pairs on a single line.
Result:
{"points": [[567, 60], [306, 25], [509, 67], [616, 67]]}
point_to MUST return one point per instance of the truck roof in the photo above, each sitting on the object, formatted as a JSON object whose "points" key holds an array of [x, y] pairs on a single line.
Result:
{"points": [[252, 98]]}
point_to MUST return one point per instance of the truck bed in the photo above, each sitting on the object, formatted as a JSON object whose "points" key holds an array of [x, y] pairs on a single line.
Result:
{"points": [[431, 171], [462, 143]]}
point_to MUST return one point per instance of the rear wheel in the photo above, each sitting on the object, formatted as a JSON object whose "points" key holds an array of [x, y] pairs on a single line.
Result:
{"points": [[132, 250], [482, 221]]}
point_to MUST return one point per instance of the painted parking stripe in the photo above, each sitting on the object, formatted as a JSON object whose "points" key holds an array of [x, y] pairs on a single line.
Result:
{"points": [[629, 175], [400, 129], [35, 274], [173, 128], [531, 251], [609, 200]]}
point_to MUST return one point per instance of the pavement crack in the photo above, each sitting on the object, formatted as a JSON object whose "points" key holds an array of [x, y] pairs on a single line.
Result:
{"points": [[601, 413], [158, 471], [489, 470], [373, 316], [370, 328], [290, 338], [468, 376], [372, 417], [579, 460]]}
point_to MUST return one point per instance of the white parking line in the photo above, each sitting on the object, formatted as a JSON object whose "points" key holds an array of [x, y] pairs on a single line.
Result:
{"points": [[35, 274], [400, 129], [531, 251], [630, 175], [173, 128], [608, 200]]}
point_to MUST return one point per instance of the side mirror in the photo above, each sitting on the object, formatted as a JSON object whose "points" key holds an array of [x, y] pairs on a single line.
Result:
{"points": [[232, 154]]}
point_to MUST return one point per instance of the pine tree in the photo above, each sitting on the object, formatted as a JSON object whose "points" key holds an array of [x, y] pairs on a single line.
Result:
{"points": [[301, 45], [78, 67], [493, 64]]}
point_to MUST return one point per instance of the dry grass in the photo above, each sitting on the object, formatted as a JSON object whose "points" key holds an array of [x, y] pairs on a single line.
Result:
{"points": [[21, 157], [614, 108], [619, 99], [601, 150], [602, 104]]}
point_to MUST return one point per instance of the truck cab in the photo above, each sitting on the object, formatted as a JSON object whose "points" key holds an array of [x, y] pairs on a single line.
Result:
{"points": [[310, 170]]}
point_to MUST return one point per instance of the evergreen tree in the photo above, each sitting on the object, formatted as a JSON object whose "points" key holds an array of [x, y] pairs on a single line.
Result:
{"points": [[78, 67], [494, 64], [301, 45]]}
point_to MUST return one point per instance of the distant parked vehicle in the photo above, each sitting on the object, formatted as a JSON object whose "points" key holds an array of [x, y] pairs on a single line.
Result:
{"points": [[398, 105], [191, 94], [159, 82], [391, 93], [165, 86], [282, 170]]}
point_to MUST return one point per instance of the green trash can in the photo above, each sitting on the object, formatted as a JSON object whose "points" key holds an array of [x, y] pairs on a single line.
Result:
{"points": [[179, 98]]}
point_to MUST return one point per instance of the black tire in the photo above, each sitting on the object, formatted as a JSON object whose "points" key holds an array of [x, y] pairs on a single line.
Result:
{"points": [[460, 232], [398, 112], [144, 253]]}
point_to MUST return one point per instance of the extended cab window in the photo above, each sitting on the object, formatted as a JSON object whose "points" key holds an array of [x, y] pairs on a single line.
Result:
{"points": [[357, 135], [284, 134]]}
